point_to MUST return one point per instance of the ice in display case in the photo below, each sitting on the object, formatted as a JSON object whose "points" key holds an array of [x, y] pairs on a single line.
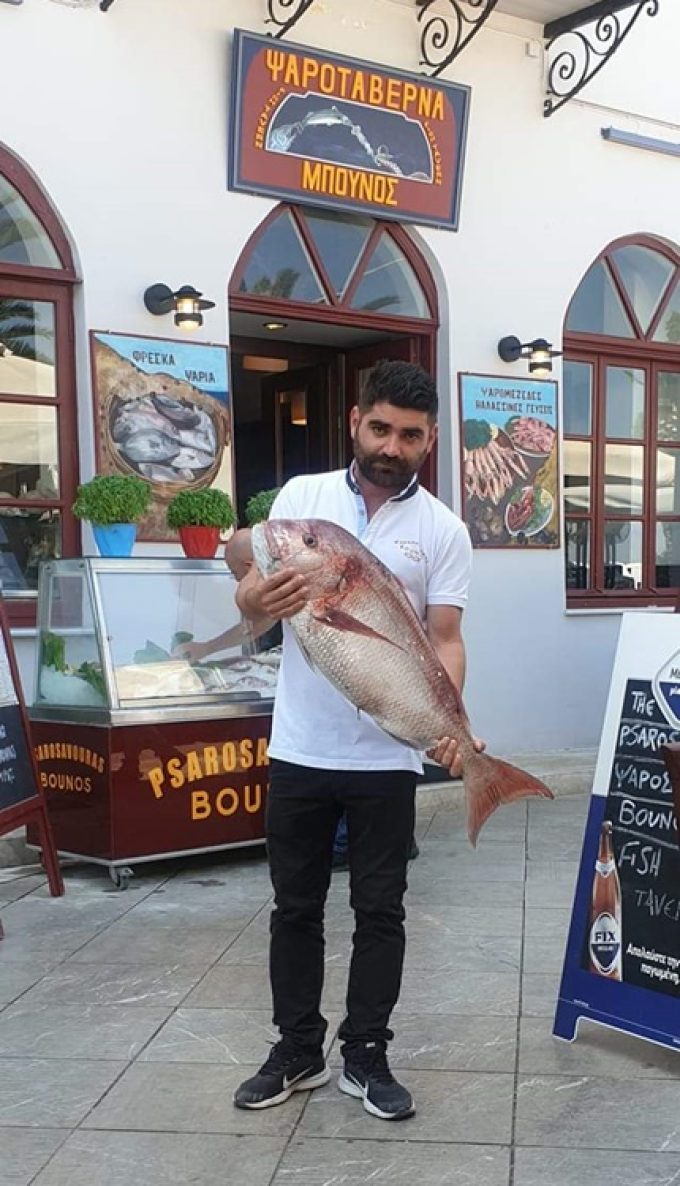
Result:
{"points": [[134, 636]]}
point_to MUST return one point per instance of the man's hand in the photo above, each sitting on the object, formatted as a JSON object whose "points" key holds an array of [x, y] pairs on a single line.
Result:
{"points": [[279, 596], [446, 753]]}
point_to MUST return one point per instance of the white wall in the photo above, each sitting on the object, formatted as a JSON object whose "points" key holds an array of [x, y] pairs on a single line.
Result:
{"points": [[122, 117]]}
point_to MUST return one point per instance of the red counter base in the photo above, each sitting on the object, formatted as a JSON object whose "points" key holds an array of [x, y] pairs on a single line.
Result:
{"points": [[141, 792]]}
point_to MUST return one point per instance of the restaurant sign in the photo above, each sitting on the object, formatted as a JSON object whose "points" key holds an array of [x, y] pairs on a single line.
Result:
{"points": [[333, 131], [510, 481]]}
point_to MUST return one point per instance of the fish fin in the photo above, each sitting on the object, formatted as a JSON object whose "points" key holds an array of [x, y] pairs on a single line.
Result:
{"points": [[339, 620], [489, 782]]}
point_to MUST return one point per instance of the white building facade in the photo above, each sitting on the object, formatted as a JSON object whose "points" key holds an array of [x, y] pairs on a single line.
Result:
{"points": [[122, 121]]}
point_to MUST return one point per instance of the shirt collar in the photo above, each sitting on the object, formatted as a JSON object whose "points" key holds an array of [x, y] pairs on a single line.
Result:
{"points": [[407, 492]]}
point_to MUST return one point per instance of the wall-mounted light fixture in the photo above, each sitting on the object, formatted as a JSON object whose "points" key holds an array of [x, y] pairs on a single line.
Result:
{"points": [[186, 301], [273, 326], [539, 353]]}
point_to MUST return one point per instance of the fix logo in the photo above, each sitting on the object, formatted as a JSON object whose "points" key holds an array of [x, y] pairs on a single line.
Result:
{"points": [[666, 688]]}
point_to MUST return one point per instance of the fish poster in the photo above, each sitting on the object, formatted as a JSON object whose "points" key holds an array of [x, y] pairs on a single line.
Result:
{"points": [[162, 412], [509, 466], [622, 963], [315, 127]]}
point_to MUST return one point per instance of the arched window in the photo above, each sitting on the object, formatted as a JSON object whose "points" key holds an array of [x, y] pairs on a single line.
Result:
{"points": [[622, 428], [38, 445], [347, 266]]}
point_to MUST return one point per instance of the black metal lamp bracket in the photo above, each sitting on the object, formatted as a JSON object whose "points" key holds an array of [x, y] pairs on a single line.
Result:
{"points": [[285, 13], [578, 46], [443, 38]]}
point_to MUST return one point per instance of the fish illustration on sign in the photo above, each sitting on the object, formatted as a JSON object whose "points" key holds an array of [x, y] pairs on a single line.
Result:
{"points": [[361, 632]]}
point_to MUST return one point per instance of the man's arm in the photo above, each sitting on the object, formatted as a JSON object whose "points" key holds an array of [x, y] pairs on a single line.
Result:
{"points": [[443, 624]]}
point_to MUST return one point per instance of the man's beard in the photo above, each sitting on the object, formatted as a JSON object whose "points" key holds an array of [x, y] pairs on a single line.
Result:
{"points": [[388, 472]]}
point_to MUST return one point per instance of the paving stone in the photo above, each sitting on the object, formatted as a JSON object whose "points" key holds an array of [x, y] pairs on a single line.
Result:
{"points": [[441, 1043], [243, 986], [431, 946], [573, 1167], [51, 1093], [367, 1163], [77, 1031], [187, 1097], [17, 977], [469, 993], [12, 889], [539, 994], [450, 1107], [230, 1036], [588, 1112], [450, 890], [115, 984], [136, 941], [616, 1055], [25, 1151], [162, 1159]]}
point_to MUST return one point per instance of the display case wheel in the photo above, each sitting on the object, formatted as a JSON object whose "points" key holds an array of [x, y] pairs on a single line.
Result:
{"points": [[120, 876]]}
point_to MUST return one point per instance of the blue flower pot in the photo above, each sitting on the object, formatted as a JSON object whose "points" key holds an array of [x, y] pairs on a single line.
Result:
{"points": [[115, 539]]}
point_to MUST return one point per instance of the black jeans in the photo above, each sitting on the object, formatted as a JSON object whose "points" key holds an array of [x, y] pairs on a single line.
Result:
{"points": [[303, 809]]}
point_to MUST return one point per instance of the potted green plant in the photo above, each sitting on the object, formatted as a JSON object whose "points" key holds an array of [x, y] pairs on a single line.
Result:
{"points": [[199, 516], [259, 506], [113, 504]]}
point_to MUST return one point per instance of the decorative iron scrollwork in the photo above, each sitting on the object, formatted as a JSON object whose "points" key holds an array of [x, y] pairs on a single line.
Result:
{"points": [[286, 13], [586, 51], [443, 38]]}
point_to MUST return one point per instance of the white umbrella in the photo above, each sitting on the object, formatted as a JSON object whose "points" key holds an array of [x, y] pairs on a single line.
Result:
{"points": [[25, 376]]}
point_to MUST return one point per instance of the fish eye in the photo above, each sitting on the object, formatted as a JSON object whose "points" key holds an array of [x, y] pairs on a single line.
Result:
{"points": [[309, 541]]}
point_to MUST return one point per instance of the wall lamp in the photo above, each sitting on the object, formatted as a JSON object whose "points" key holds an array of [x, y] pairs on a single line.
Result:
{"points": [[539, 352], [186, 301]]}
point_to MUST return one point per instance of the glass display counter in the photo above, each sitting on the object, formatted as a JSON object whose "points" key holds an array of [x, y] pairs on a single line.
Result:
{"points": [[151, 710]]}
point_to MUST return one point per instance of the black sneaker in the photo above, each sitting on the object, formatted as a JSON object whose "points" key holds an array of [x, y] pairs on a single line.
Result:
{"points": [[287, 1069], [367, 1077]]}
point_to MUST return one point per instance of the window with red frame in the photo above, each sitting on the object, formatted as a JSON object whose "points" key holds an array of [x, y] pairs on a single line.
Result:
{"points": [[38, 452], [621, 401]]}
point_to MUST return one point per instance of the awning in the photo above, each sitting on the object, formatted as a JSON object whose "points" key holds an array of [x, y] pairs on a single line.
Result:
{"points": [[581, 35]]}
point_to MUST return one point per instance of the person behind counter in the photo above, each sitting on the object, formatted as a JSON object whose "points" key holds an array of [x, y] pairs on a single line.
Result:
{"points": [[238, 554]]}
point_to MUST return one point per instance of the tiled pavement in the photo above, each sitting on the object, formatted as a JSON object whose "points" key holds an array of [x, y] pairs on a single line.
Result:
{"points": [[126, 1020]]}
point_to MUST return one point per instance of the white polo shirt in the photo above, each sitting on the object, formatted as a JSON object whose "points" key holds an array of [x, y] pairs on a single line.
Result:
{"points": [[428, 548]]}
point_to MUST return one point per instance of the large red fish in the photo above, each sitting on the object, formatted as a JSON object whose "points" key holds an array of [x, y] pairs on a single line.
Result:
{"points": [[361, 631]]}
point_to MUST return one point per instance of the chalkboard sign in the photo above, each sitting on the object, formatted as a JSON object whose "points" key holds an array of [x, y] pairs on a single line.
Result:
{"points": [[622, 965], [21, 800]]}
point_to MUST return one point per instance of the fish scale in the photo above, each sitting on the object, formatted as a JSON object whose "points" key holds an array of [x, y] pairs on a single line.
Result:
{"points": [[359, 629]]}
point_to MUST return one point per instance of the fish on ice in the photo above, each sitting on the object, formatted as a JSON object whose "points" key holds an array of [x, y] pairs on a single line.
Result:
{"points": [[361, 632]]}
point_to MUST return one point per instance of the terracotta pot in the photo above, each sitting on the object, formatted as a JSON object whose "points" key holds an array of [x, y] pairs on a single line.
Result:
{"points": [[199, 542]]}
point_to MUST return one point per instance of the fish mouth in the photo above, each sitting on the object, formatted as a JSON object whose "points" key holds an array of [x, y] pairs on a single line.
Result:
{"points": [[264, 551]]}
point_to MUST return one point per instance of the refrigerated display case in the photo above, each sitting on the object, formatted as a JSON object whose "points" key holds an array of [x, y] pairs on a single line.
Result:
{"points": [[151, 711]]}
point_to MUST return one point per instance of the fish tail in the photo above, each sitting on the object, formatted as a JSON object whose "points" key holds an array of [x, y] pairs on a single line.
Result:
{"points": [[488, 783]]}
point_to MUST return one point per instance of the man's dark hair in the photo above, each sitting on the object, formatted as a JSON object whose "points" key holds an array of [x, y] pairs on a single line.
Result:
{"points": [[403, 384]]}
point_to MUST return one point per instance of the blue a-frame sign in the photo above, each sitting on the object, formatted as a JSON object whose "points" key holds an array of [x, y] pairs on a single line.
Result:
{"points": [[622, 963]]}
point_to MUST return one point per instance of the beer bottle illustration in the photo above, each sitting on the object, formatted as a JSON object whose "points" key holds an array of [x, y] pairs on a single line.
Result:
{"points": [[605, 939]]}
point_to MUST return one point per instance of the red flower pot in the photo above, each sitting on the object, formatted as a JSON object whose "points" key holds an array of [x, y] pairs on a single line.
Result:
{"points": [[199, 542]]}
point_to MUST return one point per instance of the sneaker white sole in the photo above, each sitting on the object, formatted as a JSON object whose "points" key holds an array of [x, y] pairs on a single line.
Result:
{"points": [[319, 1080], [361, 1093]]}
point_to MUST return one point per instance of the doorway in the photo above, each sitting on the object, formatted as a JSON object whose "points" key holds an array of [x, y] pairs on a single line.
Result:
{"points": [[315, 301]]}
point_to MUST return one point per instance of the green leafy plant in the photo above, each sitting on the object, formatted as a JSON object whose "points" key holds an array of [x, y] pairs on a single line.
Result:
{"points": [[259, 506], [112, 498], [201, 508]]}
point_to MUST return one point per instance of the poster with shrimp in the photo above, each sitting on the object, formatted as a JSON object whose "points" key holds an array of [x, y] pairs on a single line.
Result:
{"points": [[163, 412], [509, 442]]}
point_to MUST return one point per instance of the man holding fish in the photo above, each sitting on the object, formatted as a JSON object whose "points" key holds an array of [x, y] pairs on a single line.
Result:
{"points": [[370, 677]]}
